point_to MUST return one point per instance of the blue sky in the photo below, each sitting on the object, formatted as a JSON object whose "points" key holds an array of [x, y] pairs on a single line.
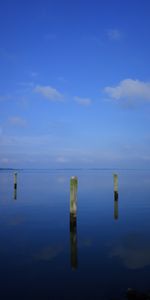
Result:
{"points": [[74, 84]]}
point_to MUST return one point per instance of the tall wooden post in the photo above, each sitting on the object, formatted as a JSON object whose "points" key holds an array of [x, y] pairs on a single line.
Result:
{"points": [[73, 195]]}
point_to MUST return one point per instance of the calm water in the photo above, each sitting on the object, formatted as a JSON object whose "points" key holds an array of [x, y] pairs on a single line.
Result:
{"points": [[108, 251]]}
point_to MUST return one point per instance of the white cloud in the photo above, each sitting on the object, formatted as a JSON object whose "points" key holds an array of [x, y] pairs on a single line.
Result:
{"points": [[129, 89], [62, 79], [113, 34], [34, 74], [17, 121], [62, 159], [25, 141], [83, 101], [48, 92], [4, 160]]}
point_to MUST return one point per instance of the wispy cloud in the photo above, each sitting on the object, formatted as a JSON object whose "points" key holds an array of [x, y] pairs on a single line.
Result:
{"points": [[113, 34], [48, 92], [17, 121], [83, 101], [50, 36], [62, 159], [4, 161], [26, 84], [62, 79], [34, 144], [129, 90], [7, 55], [5, 97], [94, 40], [25, 141], [34, 74]]}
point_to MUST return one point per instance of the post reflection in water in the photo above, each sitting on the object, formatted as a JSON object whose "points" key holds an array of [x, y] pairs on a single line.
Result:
{"points": [[15, 193], [73, 242], [73, 221], [116, 206], [15, 186], [115, 196]]}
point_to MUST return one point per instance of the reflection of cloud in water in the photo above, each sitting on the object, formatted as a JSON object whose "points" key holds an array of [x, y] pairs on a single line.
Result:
{"points": [[62, 179], [85, 243], [4, 180], [134, 251], [49, 253], [17, 220]]}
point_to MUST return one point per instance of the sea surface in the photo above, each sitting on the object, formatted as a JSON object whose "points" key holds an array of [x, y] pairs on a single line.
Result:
{"points": [[107, 252]]}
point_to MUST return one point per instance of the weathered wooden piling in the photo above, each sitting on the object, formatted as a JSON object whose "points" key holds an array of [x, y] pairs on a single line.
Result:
{"points": [[15, 186], [116, 186], [73, 221], [15, 180], [73, 196]]}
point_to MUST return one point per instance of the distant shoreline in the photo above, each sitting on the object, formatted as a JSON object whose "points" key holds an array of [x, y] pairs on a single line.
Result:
{"points": [[76, 169]]}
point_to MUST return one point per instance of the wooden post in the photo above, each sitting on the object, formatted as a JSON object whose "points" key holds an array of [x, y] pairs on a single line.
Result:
{"points": [[73, 195], [116, 186], [15, 186], [73, 221], [15, 180]]}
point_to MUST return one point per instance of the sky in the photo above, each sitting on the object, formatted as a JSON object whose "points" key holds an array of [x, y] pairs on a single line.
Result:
{"points": [[74, 84]]}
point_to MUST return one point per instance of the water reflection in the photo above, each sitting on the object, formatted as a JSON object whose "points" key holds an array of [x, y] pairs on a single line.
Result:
{"points": [[33, 233], [48, 253], [134, 251], [73, 242], [116, 214], [15, 193], [73, 221], [16, 220], [15, 186], [115, 176]]}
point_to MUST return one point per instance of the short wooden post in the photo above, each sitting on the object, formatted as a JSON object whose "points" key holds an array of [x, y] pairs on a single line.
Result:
{"points": [[15, 180], [116, 186], [73, 221], [15, 186]]}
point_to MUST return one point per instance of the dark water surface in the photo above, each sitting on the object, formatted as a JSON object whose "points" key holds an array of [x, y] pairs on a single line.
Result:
{"points": [[110, 246]]}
